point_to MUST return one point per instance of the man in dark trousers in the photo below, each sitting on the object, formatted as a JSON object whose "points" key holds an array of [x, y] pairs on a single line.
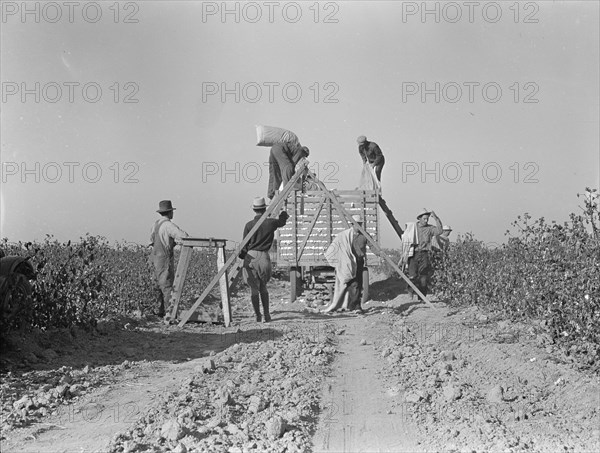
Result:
{"points": [[257, 262], [359, 250], [419, 265], [282, 162], [162, 239], [370, 152]]}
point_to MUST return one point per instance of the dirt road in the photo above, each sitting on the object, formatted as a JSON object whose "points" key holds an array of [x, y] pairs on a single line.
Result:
{"points": [[403, 377]]}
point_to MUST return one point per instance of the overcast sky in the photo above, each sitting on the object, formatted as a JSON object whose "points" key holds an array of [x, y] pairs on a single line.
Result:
{"points": [[483, 112]]}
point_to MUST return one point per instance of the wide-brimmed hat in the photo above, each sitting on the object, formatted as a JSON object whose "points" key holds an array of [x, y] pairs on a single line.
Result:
{"points": [[165, 206], [259, 203], [423, 212], [361, 139], [357, 218], [447, 228]]}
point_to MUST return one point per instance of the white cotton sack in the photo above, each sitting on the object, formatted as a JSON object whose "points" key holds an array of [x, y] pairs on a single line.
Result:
{"points": [[269, 135]]}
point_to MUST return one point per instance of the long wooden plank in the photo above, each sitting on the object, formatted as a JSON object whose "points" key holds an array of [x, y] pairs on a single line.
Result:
{"points": [[343, 192], [353, 206], [320, 227], [309, 213], [390, 215], [224, 287], [204, 242], [312, 202], [182, 268], [234, 270], [295, 232], [234, 256], [313, 198], [343, 199], [372, 243], [305, 220]]}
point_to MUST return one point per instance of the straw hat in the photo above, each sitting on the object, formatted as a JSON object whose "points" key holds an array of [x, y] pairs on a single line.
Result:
{"points": [[259, 203], [423, 212]]}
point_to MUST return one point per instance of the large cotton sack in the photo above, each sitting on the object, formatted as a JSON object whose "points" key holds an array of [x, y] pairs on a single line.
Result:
{"points": [[368, 179], [269, 135]]}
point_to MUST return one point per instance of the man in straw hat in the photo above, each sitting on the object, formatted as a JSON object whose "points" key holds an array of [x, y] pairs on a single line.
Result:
{"points": [[346, 254], [282, 163], [257, 262], [370, 152], [441, 243], [359, 250], [419, 264], [162, 239]]}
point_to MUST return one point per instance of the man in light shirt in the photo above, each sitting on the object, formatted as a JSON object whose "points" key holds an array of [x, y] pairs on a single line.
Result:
{"points": [[441, 243], [162, 239], [419, 265], [371, 153]]}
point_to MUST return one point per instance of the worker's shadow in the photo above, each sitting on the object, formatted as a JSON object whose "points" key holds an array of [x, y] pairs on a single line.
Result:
{"points": [[281, 315], [387, 289]]}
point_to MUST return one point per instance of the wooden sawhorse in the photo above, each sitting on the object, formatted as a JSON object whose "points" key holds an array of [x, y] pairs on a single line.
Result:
{"points": [[187, 245]]}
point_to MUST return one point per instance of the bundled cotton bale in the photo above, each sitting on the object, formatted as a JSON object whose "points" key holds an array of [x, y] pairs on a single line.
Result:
{"points": [[368, 179], [269, 135]]}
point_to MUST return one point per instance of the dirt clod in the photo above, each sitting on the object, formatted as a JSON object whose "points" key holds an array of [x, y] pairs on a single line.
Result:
{"points": [[495, 394], [275, 427], [172, 430]]}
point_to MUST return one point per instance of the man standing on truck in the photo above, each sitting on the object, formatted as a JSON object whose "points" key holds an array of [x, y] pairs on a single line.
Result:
{"points": [[257, 262], [163, 237], [282, 162], [371, 153], [419, 264]]}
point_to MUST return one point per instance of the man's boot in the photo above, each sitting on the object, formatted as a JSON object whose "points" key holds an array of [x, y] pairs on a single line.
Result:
{"points": [[256, 305], [265, 304], [424, 285], [411, 291], [160, 311]]}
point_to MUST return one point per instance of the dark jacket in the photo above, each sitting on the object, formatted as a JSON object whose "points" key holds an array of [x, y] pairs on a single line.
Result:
{"points": [[293, 152], [370, 151], [263, 238]]}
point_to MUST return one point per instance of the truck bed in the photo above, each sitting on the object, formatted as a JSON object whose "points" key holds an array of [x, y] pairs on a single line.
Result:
{"points": [[314, 222]]}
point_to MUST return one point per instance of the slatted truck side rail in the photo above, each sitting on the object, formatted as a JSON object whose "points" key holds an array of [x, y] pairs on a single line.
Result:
{"points": [[313, 224]]}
